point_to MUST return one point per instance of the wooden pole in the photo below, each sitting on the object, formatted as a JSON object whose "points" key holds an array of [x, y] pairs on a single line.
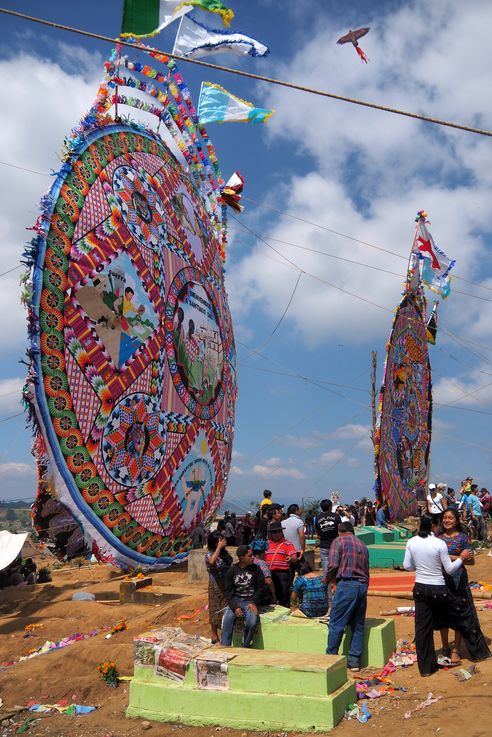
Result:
{"points": [[374, 356]]}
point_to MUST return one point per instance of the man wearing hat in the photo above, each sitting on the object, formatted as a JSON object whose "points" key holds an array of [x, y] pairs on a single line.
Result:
{"points": [[279, 556], [244, 586]]}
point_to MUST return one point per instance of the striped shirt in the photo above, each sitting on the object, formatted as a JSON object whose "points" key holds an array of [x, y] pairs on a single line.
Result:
{"points": [[278, 554]]}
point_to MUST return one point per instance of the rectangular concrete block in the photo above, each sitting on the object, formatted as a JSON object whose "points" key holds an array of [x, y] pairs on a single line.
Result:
{"points": [[263, 710], [386, 555], [298, 635], [128, 588], [381, 534], [366, 535]]}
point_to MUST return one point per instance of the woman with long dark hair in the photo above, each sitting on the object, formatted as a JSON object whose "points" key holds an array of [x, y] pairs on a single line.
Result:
{"points": [[217, 561], [434, 602], [457, 539]]}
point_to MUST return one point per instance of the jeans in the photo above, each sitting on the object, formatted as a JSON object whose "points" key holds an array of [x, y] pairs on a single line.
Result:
{"points": [[250, 620], [480, 528], [438, 605], [348, 608], [324, 554]]}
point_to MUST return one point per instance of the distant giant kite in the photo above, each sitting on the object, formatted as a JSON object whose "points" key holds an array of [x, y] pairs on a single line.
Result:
{"points": [[353, 38]]}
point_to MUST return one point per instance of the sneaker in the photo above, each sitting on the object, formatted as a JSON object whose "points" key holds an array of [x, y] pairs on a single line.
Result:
{"points": [[355, 668]]}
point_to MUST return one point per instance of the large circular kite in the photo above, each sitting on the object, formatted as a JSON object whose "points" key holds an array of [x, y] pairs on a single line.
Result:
{"points": [[404, 433], [134, 356]]}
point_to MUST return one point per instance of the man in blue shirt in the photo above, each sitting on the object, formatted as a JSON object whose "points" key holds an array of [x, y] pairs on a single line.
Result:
{"points": [[382, 516], [474, 513]]}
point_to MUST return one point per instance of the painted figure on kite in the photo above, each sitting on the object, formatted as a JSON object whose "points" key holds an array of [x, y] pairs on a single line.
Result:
{"points": [[353, 38]]}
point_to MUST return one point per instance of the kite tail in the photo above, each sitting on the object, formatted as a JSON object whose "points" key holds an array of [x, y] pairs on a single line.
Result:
{"points": [[361, 54]]}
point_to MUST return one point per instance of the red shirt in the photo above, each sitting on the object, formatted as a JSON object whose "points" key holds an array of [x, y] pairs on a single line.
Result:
{"points": [[278, 554]]}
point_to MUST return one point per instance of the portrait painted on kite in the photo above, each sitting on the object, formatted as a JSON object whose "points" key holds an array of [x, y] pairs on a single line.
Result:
{"points": [[134, 357]]}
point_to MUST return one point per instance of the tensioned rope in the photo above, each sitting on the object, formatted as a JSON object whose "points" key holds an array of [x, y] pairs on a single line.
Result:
{"points": [[258, 77]]}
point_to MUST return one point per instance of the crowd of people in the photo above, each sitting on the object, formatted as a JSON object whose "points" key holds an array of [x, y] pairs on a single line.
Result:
{"points": [[272, 568]]}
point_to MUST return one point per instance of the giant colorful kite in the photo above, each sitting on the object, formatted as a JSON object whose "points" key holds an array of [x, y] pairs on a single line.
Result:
{"points": [[132, 381], [403, 431]]}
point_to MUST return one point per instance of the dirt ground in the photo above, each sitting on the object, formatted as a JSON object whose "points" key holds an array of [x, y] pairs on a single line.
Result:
{"points": [[70, 673]]}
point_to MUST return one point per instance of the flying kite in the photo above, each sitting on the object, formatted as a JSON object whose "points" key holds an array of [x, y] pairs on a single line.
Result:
{"points": [[132, 380], [353, 38]]}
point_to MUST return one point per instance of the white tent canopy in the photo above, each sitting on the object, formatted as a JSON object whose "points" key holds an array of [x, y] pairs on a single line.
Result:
{"points": [[10, 547]]}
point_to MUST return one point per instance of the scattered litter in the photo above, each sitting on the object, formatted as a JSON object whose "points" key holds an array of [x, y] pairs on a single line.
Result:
{"points": [[366, 688], [26, 724], [62, 707], [464, 675], [83, 596], [404, 656], [423, 705], [120, 627], [361, 713]]}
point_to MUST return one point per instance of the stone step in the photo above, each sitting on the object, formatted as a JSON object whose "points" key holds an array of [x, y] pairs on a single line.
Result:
{"points": [[265, 710]]}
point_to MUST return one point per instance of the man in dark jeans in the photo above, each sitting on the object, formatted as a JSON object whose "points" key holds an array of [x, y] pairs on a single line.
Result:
{"points": [[348, 563], [244, 589], [280, 554]]}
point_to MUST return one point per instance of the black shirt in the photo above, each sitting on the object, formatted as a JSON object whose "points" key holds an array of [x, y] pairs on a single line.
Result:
{"points": [[243, 584], [327, 528]]}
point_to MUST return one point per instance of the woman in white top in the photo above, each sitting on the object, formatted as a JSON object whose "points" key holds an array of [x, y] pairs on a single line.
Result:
{"points": [[436, 504], [435, 605]]}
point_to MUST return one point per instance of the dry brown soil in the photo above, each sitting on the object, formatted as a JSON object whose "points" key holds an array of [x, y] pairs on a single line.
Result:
{"points": [[464, 709]]}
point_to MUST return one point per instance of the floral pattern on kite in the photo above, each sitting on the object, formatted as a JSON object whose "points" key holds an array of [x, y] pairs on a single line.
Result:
{"points": [[404, 431], [134, 356]]}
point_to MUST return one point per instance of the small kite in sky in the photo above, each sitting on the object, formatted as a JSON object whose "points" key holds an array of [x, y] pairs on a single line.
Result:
{"points": [[353, 38]]}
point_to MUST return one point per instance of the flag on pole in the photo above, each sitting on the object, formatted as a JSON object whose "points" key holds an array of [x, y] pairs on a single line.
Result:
{"points": [[148, 17], [196, 39], [217, 105], [424, 247]]}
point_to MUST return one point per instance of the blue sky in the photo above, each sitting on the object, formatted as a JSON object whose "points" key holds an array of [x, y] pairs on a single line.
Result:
{"points": [[303, 412]]}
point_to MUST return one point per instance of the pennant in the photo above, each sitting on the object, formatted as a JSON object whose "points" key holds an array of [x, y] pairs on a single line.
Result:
{"points": [[195, 39], [431, 327], [143, 18], [437, 283], [217, 105]]}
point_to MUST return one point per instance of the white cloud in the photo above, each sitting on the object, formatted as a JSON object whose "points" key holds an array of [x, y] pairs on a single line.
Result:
{"points": [[276, 468], [333, 457], [474, 389], [351, 432], [10, 394], [372, 171], [17, 469], [237, 470]]}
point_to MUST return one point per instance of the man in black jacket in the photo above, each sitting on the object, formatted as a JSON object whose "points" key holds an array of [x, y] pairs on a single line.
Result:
{"points": [[244, 588]]}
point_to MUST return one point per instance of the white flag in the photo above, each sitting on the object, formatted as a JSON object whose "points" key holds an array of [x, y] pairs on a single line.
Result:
{"points": [[195, 39]]}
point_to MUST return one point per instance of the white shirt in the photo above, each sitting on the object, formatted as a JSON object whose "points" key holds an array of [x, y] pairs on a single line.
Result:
{"points": [[436, 506], [291, 527], [428, 556]]}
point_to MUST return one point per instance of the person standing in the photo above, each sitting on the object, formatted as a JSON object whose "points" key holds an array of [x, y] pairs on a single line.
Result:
{"points": [[436, 504], [267, 499], [293, 528], [348, 564], [217, 562], [247, 529], [279, 556], [436, 605], [198, 536], [244, 585], [452, 502], [475, 514], [327, 529]]}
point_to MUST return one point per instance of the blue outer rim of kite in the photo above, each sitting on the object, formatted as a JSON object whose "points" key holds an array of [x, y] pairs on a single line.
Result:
{"points": [[41, 399]]}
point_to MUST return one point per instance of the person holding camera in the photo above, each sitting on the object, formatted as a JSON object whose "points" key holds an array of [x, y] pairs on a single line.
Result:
{"points": [[217, 561]]}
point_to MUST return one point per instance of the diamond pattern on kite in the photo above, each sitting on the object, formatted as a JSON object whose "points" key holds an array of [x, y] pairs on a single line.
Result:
{"points": [[143, 511], [150, 163], [95, 210], [86, 403]]}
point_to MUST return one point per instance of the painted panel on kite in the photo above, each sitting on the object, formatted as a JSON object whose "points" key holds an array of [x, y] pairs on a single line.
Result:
{"points": [[134, 357], [404, 432]]}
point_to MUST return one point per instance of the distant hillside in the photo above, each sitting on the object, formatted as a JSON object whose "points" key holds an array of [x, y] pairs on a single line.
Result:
{"points": [[14, 516]]}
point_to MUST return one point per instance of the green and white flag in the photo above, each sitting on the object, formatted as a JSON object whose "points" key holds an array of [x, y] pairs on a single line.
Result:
{"points": [[148, 17]]}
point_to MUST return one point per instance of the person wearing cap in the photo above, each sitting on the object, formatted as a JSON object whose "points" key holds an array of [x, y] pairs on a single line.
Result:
{"points": [[348, 564], [436, 504], [244, 589], [279, 556]]}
